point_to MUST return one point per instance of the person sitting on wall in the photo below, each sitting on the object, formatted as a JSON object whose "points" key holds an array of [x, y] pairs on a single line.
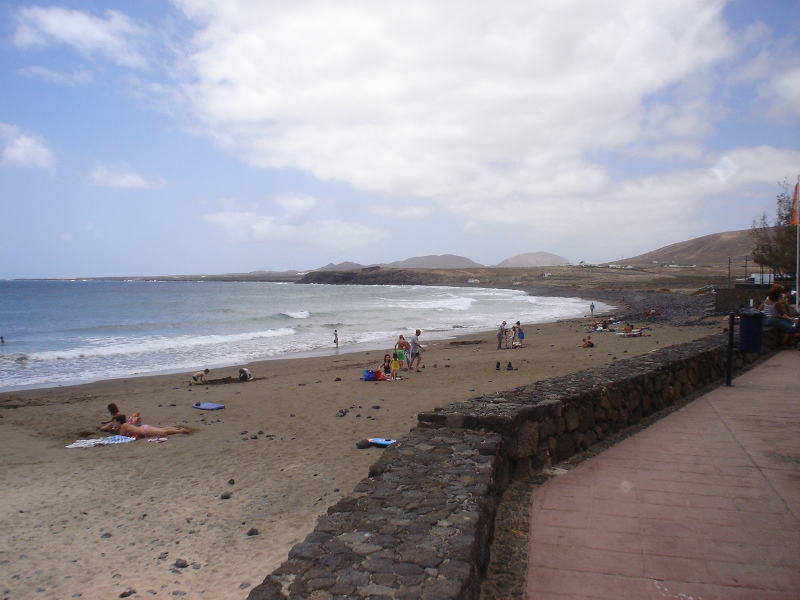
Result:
{"points": [[776, 315]]}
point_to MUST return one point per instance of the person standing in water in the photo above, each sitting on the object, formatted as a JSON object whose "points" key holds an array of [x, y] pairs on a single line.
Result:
{"points": [[335, 338]]}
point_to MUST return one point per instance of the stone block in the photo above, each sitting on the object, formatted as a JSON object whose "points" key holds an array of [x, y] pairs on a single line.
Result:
{"points": [[599, 414], [590, 439], [587, 417], [527, 440], [632, 400], [547, 428], [578, 439], [565, 447], [572, 418]]}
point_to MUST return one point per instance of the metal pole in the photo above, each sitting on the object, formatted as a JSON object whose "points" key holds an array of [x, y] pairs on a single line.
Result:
{"points": [[729, 374], [797, 259]]}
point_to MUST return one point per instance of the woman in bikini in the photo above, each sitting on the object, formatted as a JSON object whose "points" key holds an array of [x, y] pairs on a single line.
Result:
{"points": [[145, 431], [386, 365]]}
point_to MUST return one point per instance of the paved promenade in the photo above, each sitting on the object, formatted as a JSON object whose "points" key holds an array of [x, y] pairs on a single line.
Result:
{"points": [[702, 505]]}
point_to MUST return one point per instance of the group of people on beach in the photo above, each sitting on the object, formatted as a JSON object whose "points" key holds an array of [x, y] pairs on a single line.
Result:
{"points": [[406, 352], [133, 427], [601, 325], [199, 378], [511, 336]]}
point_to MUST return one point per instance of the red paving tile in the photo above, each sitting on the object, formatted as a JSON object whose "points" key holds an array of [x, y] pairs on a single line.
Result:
{"points": [[703, 504]]}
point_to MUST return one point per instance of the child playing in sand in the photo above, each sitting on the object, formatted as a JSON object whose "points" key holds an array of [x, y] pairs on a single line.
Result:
{"points": [[112, 425], [587, 342], [395, 366], [200, 377]]}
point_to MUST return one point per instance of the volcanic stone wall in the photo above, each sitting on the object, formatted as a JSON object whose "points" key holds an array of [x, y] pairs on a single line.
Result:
{"points": [[420, 525]]}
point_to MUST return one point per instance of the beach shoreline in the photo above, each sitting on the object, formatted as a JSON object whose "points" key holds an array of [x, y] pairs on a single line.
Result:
{"points": [[346, 346], [99, 521]]}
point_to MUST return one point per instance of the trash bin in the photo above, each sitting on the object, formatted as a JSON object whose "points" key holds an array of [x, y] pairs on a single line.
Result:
{"points": [[751, 330]]}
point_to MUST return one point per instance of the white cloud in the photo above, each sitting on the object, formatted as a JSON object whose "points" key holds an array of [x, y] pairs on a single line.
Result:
{"points": [[122, 177], [116, 36], [75, 77], [21, 149], [494, 113], [786, 87], [325, 234], [232, 204], [297, 205], [399, 209], [297, 226]]}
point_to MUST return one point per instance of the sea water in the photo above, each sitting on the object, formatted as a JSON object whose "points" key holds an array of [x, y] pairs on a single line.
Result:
{"points": [[68, 332]]}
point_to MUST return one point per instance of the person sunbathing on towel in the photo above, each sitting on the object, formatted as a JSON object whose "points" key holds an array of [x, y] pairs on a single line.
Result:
{"points": [[145, 431]]}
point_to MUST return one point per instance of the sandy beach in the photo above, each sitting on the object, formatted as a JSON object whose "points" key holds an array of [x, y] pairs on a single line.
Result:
{"points": [[95, 522]]}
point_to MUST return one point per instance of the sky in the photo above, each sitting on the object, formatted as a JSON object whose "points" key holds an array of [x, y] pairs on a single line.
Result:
{"points": [[198, 136]]}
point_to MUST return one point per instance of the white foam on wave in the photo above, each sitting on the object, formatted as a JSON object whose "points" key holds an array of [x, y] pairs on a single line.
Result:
{"points": [[300, 314], [127, 346], [459, 303]]}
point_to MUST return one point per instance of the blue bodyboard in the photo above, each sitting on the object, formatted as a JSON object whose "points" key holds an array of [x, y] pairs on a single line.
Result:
{"points": [[381, 441], [207, 406]]}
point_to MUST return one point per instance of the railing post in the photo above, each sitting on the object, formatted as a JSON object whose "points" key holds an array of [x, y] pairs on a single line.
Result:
{"points": [[729, 374]]}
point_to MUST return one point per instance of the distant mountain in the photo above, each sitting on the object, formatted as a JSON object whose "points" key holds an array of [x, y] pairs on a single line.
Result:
{"points": [[344, 266], [714, 249], [534, 259], [440, 261]]}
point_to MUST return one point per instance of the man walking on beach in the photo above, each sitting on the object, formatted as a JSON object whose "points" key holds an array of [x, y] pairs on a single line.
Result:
{"points": [[501, 333], [591, 308], [416, 352]]}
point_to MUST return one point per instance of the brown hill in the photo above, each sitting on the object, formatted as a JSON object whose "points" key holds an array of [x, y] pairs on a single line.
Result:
{"points": [[714, 249], [534, 259], [435, 261]]}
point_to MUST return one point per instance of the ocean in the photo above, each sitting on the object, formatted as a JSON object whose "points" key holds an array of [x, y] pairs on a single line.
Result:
{"points": [[69, 332]]}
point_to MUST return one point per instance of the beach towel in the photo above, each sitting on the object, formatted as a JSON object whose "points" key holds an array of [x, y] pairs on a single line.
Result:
{"points": [[207, 406], [91, 443]]}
